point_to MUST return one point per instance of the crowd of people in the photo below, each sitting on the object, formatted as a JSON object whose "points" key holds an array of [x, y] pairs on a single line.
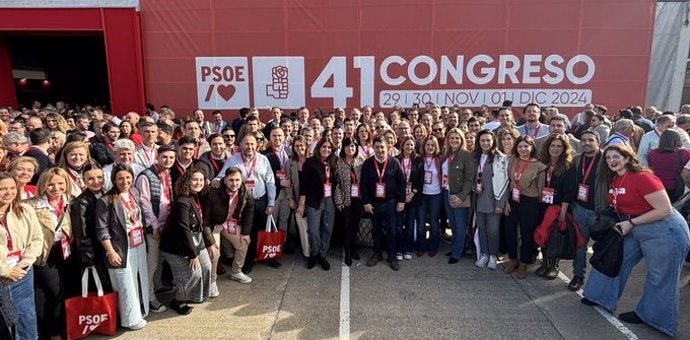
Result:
{"points": [[136, 194]]}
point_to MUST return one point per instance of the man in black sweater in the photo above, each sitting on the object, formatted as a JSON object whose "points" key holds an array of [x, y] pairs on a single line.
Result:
{"points": [[383, 195]]}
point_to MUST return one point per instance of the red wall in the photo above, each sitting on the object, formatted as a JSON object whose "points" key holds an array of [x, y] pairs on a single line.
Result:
{"points": [[615, 34], [121, 31]]}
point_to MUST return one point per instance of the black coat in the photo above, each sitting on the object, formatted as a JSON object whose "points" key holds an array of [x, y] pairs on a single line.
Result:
{"points": [[416, 178], [87, 247], [110, 221], [184, 223], [216, 209], [312, 180]]}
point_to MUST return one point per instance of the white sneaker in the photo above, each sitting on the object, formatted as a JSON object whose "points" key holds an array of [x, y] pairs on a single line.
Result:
{"points": [[241, 277], [492, 263], [156, 307], [407, 256], [138, 326], [213, 292], [399, 256], [483, 260]]}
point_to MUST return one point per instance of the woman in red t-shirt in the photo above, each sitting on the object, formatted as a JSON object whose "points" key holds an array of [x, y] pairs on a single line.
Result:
{"points": [[653, 230]]}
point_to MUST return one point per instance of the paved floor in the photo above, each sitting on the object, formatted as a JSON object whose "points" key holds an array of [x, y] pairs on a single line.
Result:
{"points": [[426, 299]]}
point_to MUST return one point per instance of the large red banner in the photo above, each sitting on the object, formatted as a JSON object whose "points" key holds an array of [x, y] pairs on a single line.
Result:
{"points": [[324, 54]]}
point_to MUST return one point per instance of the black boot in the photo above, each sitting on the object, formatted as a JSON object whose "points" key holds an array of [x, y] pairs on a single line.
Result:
{"points": [[348, 258], [542, 269], [552, 270], [312, 262]]}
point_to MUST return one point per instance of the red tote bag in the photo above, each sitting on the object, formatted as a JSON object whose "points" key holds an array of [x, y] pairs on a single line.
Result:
{"points": [[91, 312], [269, 245]]}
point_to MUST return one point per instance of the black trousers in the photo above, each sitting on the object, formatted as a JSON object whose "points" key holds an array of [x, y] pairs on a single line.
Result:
{"points": [[524, 214], [58, 279], [351, 216], [258, 224]]}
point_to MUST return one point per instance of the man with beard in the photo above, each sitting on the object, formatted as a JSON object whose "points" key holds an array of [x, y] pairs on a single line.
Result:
{"points": [[532, 126], [557, 125]]}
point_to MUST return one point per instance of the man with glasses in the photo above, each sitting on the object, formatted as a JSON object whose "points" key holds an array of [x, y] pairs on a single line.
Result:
{"points": [[229, 138]]}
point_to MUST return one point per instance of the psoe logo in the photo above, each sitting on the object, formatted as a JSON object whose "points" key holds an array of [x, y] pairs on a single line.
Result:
{"points": [[91, 322]]}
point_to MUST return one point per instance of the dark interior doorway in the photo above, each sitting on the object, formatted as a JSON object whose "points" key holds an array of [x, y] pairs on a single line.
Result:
{"points": [[75, 69]]}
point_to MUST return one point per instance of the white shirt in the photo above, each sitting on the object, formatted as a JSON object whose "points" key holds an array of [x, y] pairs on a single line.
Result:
{"points": [[108, 169], [433, 188], [650, 140], [262, 174], [145, 156]]}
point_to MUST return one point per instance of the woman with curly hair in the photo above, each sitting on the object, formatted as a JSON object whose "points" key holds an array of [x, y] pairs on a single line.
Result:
{"points": [[559, 189], [56, 122]]}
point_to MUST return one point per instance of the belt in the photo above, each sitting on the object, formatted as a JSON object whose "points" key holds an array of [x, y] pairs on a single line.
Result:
{"points": [[261, 198]]}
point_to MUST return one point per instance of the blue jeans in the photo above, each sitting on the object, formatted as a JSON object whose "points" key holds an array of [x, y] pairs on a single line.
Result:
{"points": [[663, 244], [584, 218], [407, 236], [384, 214], [22, 294], [431, 206], [457, 218]]}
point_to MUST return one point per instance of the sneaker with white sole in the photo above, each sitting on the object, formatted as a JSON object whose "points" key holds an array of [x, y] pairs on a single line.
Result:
{"points": [[241, 277], [407, 256], [138, 326], [483, 260], [156, 307], [399, 256], [213, 291], [492, 263]]}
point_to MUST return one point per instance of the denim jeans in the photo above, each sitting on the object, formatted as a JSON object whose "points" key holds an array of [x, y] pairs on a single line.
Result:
{"points": [[384, 214], [663, 244], [430, 206], [584, 218], [320, 226], [457, 218], [407, 235], [22, 295]]}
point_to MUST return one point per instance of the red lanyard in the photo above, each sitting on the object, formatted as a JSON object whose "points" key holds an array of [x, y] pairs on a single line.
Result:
{"points": [[197, 207], [427, 165], [657, 133], [379, 172], [250, 170], [215, 165], [75, 179], [407, 167], [182, 169], [232, 205], [536, 130], [616, 188], [131, 207], [165, 183], [196, 151], [518, 175], [480, 166], [549, 174], [282, 157], [149, 160], [59, 208], [3, 223], [353, 174], [585, 174], [327, 169]]}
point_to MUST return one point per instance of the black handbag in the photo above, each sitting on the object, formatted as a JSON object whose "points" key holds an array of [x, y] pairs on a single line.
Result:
{"points": [[562, 244], [608, 253]]}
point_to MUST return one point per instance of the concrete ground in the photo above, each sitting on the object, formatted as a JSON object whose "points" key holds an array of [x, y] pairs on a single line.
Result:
{"points": [[426, 299]]}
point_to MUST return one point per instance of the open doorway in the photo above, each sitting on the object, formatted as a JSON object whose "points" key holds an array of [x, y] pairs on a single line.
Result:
{"points": [[67, 68]]}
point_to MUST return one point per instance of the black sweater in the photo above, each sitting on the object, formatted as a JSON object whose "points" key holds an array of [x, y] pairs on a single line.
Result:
{"points": [[393, 179]]}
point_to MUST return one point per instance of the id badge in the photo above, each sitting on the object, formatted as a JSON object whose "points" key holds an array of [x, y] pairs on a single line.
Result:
{"points": [[444, 184], [547, 195], [280, 174], [408, 189], [478, 189], [516, 194], [380, 190], [582, 192], [354, 191], [250, 184], [136, 237], [231, 226], [13, 258], [66, 251], [327, 190], [427, 177]]}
